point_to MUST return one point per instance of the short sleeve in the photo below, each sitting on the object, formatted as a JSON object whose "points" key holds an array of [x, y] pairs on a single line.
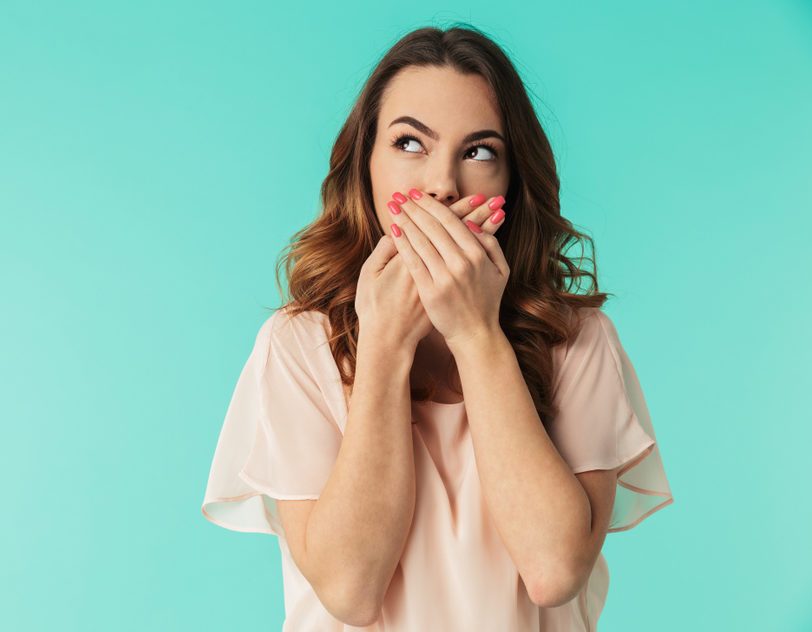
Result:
{"points": [[603, 420], [281, 433]]}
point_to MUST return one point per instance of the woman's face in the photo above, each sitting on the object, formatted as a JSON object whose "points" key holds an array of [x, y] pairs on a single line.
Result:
{"points": [[444, 107]]}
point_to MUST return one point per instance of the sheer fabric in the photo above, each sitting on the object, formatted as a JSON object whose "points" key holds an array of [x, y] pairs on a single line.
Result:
{"points": [[282, 433]]}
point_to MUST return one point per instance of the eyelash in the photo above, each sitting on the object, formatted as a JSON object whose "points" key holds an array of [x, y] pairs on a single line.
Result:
{"points": [[396, 144]]}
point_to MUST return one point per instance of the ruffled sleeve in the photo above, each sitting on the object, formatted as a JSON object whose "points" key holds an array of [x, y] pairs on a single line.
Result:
{"points": [[603, 420], [282, 429]]}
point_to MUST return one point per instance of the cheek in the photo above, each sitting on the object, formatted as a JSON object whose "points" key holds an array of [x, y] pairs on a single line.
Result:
{"points": [[387, 176], [380, 174], [380, 198], [483, 177]]}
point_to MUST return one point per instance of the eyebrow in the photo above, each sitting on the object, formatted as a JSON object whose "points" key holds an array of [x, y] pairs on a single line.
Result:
{"points": [[425, 129]]}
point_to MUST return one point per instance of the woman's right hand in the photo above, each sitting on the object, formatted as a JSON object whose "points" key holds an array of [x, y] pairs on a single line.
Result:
{"points": [[386, 298]]}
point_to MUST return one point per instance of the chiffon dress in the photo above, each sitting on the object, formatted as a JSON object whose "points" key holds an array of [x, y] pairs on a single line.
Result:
{"points": [[282, 433]]}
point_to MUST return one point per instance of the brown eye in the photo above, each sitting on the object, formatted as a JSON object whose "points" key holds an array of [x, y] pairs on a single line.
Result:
{"points": [[490, 148], [405, 139], [400, 140]]}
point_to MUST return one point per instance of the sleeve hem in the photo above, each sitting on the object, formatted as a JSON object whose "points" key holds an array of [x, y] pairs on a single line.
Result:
{"points": [[233, 526], [628, 462], [229, 511], [625, 463], [640, 519], [262, 488]]}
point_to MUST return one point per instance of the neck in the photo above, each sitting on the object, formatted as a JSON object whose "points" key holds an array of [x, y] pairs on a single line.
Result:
{"points": [[433, 345], [432, 357]]}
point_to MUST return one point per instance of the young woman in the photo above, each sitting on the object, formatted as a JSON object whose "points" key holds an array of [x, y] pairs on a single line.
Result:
{"points": [[438, 430]]}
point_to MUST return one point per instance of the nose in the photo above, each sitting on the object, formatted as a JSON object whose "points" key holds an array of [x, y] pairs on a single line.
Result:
{"points": [[446, 193], [446, 198], [440, 180]]}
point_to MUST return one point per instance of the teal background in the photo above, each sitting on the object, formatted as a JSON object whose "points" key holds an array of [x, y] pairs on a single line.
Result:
{"points": [[155, 158]]}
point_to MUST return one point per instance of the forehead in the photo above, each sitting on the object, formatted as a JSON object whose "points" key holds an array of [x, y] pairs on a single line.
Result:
{"points": [[442, 98]]}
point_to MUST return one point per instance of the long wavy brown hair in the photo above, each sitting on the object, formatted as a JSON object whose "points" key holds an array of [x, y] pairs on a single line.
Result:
{"points": [[322, 261]]}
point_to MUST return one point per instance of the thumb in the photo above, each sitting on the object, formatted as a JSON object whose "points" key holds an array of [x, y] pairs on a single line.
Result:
{"points": [[490, 244], [383, 252]]}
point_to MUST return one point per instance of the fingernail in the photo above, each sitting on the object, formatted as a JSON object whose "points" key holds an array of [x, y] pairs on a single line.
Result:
{"points": [[497, 216], [473, 226], [396, 230], [496, 202], [399, 197], [393, 206], [478, 199], [414, 193]]}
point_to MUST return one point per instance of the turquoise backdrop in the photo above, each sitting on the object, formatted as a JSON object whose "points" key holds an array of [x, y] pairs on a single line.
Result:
{"points": [[156, 156]]}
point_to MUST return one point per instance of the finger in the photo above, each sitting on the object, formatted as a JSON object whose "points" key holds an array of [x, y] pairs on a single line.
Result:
{"points": [[436, 265], [487, 210], [441, 226], [467, 207], [488, 224], [477, 208], [384, 250], [433, 227], [493, 250], [468, 203], [412, 260]]}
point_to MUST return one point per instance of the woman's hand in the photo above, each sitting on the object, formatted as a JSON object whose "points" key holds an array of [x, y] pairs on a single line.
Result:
{"points": [[460, 273], [386, 298]]}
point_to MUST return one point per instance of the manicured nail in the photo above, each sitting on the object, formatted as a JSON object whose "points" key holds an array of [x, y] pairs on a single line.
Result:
{"points": [[415, 194], [393, 206], [497, 216], [399, 197], [478, 199], [473, 226], [396, 230], [496, 203]]}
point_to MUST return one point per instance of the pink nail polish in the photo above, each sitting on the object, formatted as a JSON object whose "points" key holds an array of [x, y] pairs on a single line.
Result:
{"points": [[393, 206], [415, 194], [399, 197], [395, 230], [496, 202], [497, 216], [473, 226], [478, 199]]}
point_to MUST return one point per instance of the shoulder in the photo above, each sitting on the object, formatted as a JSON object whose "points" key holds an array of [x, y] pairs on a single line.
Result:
{"points": [[594, 341], [592, 327], [596, 326], [295, 348], [288, 329]]}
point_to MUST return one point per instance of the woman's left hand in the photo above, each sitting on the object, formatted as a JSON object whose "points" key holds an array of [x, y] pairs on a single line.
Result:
{"points": [[460, 274]]}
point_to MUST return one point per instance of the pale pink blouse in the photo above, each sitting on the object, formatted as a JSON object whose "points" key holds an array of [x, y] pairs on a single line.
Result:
{"points": [[283, 429]]}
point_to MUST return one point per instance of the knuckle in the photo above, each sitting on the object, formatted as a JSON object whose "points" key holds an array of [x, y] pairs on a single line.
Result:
{"points": [[459, 266], [444, 282], [446, 279], [478, 257]]}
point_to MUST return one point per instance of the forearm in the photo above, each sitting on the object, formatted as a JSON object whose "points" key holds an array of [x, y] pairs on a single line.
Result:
{"points": [[361, 522], [538, 506]]}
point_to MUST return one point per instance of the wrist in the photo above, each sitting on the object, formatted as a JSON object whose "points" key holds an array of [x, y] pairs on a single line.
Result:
{"points": [[382, 343], [477, 341]]}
